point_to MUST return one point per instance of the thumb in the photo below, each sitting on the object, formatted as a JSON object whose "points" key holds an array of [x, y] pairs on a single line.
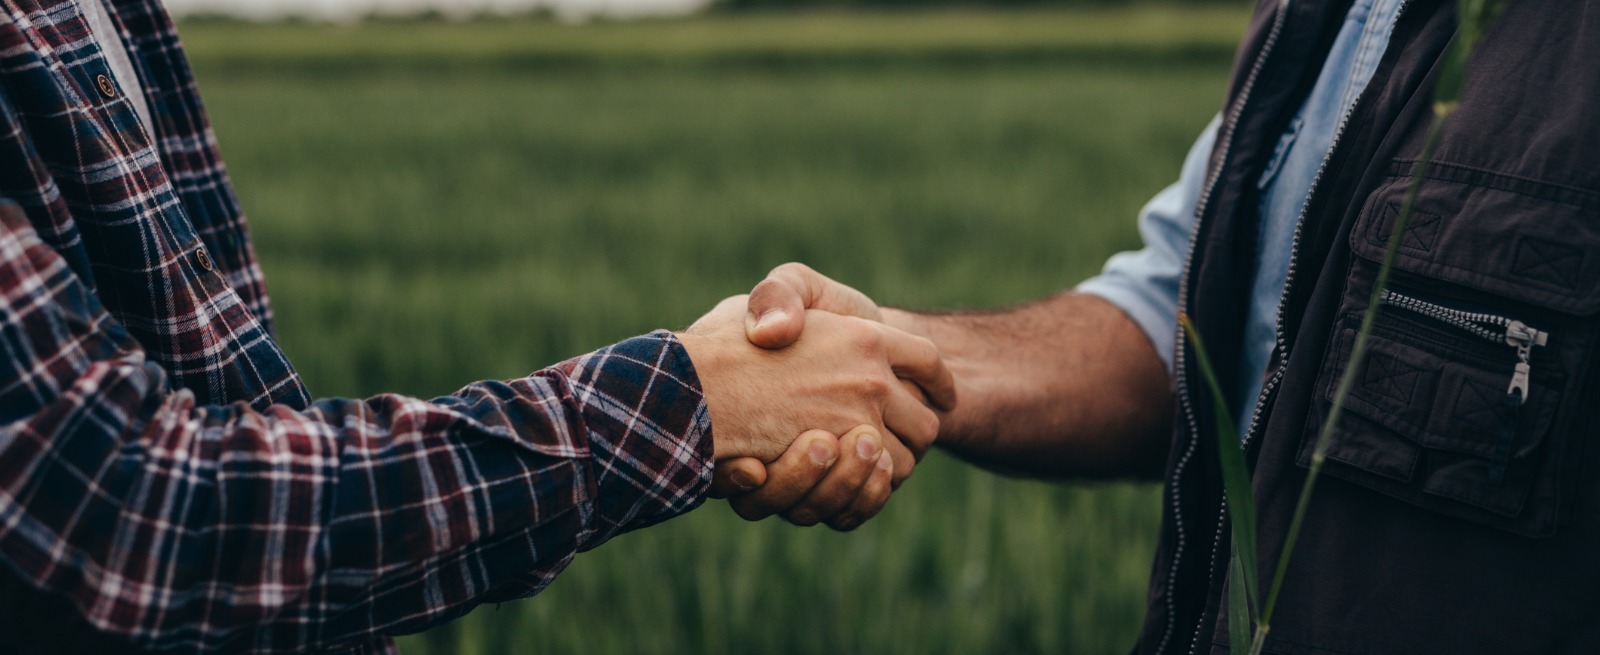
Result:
{"points": [[777, 306], [776, 315], [736, 476]]}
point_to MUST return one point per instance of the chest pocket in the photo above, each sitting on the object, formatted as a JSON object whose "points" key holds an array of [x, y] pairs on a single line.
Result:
{"points": [[1466, 403]]}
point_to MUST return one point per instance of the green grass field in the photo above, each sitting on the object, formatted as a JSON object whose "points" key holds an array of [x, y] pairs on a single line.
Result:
{"points": [[439, 203]]}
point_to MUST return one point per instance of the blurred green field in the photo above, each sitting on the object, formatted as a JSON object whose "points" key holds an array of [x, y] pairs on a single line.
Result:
{"points": [[440, 203], [1155, 33]]}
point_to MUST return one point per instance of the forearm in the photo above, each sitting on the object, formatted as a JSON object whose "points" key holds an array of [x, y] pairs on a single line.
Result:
{"points": [[282, 530], [1067, 386]]}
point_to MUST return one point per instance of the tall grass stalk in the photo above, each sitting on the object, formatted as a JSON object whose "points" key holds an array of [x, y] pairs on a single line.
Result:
{"points": [[1475, 17], [1358, 353], [1241, 501]]}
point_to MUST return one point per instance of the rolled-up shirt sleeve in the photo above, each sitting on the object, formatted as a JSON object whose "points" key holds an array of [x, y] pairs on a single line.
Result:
{"points": [[1144, 283]]}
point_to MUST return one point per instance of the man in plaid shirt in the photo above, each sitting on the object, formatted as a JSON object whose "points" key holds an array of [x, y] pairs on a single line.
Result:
{"points": [[168, 483]]}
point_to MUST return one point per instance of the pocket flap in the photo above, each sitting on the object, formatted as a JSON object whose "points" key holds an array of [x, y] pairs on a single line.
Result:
{"points": [[1527, 241], [1442, 402]]}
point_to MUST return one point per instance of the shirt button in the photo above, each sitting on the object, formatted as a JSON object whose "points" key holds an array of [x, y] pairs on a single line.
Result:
{"points": [[203, 259], [107, 89]]}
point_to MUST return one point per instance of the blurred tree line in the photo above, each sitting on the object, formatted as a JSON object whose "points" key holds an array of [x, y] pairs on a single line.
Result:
{"points": [[739, 5]]}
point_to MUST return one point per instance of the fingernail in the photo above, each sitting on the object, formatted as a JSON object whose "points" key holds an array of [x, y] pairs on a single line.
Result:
{"points": [[886, 462], [867, 447], [742, 480], [821, 455], [773, 316]]}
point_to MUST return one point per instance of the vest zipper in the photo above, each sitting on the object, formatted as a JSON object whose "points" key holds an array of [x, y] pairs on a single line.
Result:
{"points": [[1488, 327], [1270, 387], [1225, 136]]}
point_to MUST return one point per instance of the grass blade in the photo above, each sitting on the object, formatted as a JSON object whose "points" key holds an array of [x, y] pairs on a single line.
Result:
{"points": [[1235, 475], [1239, 611], [1358, 352]]}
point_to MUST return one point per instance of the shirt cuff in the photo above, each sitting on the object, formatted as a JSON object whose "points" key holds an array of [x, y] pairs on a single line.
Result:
{"points": [[1158, 320], [649, 432]]}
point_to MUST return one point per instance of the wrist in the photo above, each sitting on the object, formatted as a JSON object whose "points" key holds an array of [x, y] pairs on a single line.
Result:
{"points": [[906, 321], [708, 356], [952, 342]]}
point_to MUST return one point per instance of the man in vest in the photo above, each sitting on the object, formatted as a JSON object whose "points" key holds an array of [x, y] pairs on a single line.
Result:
{"points": [[1460, 510]]}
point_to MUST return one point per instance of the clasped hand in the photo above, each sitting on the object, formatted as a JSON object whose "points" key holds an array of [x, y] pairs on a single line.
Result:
{"points": [[782, 378]]}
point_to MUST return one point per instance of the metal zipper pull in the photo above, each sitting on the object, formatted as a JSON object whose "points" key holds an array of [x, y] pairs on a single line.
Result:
{"points": [[1517, 334], [1523, 338]]}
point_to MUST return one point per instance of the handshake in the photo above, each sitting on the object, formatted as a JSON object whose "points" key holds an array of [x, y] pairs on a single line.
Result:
{"points": [[818, 408]]}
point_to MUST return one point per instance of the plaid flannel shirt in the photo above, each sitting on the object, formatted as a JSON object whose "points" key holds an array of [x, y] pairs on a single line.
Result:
{"points": [[166, 476]]}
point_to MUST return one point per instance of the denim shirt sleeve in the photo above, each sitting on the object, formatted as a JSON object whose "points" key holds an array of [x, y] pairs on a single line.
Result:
{"points": [[1144, 283]]}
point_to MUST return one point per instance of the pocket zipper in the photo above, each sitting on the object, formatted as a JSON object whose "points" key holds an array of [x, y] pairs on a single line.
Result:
{"points": [[1495, 329], [1511, 332]]}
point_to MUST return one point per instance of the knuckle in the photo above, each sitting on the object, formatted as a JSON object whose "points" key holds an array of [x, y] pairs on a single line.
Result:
{"points": [[865, 336], [878, 498], [845, 523], [927, 430], [801, 517], [933, 363], [875, 387], [790, 268], [871, 502], [902, 474], [871, 345], [749, 511]]}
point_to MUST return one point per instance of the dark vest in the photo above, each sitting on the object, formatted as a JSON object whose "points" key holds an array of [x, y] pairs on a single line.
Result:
{"points": [[1453, 515]]}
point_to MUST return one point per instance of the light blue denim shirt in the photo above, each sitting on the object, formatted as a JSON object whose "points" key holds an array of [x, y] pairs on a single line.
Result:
{"points": [[1144, 283]]}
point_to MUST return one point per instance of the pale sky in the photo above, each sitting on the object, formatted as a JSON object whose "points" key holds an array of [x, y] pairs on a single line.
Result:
{"points": [[344, 9]]}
